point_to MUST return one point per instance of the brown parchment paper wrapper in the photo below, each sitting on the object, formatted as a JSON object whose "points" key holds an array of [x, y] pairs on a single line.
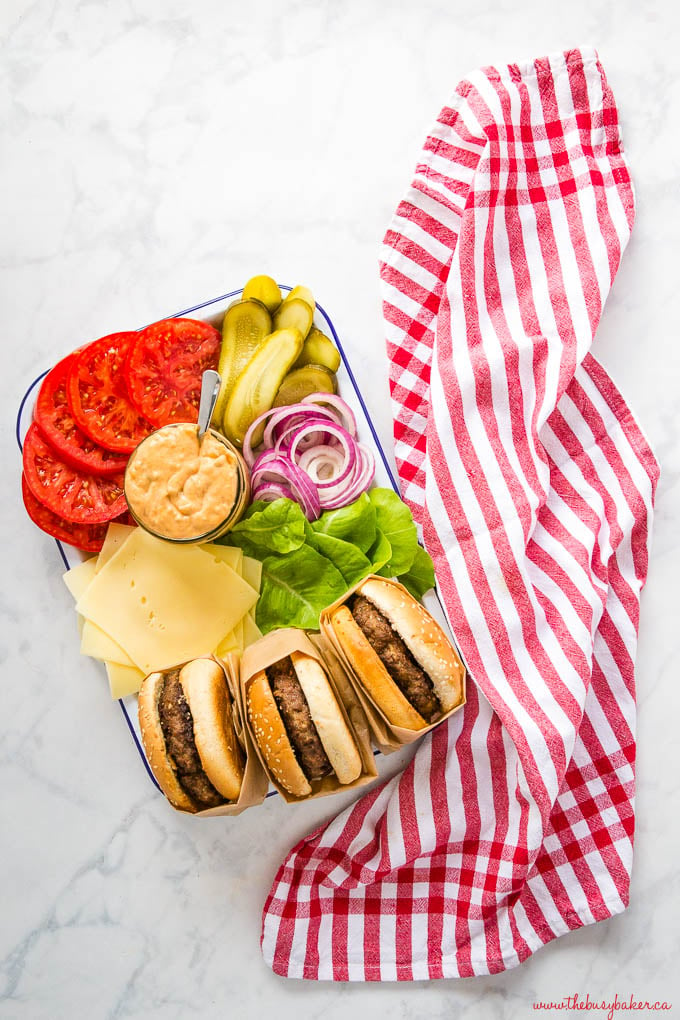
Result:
{"points": [[277, 645], [386, 736], [255, 783]]}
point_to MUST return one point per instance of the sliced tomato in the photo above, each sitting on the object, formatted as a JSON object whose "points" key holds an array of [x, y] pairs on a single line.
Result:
{"points": [[165, 368], [89, 537], [98, 395], [74, 495], [56, 422]]}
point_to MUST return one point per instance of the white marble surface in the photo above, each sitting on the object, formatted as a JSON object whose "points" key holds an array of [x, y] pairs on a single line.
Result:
{"points": [[155, 154]]}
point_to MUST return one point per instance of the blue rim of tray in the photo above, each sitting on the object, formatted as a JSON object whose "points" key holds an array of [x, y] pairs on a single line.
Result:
{"points": [[178, 315]]}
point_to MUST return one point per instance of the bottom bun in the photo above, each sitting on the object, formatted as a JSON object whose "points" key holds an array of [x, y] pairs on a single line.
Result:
{"points": [[371, 672], [154, 744], [271, 737]]}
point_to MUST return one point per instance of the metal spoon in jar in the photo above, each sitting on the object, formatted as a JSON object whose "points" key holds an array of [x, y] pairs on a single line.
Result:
{"points": [[210, 387]]}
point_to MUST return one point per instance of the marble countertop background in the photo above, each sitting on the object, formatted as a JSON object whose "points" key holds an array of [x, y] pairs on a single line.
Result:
{"points": [[156, 154]]}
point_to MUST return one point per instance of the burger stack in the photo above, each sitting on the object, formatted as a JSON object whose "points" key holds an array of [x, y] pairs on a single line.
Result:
{"points": [[300, 711], [407, 674]]}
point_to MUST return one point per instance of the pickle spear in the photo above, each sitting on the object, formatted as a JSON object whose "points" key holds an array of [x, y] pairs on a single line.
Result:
{"points": [[254, 391], [246, 324], [264, 289], [294, 313], [304, 294], [303, 381], [319, 350]]}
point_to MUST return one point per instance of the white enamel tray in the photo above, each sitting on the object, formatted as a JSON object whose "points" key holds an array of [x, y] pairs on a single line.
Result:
{"points": [[213, 312]]}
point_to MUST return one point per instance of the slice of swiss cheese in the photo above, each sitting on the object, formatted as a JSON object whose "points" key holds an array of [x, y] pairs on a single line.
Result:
{"points": [[123, 680], [233, 642], [78, 579], [228, 554], [165, 603], [116, 535], [96, 643], [251, 631], [252, 572]]}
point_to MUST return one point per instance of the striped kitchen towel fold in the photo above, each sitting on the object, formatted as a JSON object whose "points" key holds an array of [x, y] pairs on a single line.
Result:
{"points": [[534, 489]]}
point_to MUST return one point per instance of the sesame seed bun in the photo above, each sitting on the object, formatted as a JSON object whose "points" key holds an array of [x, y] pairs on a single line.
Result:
{"points": [[424, 640], [423, 637], [278, 745], [272, 739], [367, 666]]}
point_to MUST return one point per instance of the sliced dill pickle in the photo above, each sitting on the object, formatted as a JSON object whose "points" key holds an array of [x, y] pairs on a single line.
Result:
{"points": [[294, 313], [246, 324], [319, 350], [302, 381], [304, 294], [254, 391], [264, 289]]}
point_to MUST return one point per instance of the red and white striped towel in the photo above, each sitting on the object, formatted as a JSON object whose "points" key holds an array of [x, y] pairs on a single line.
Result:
{"points": [[534, 487]]}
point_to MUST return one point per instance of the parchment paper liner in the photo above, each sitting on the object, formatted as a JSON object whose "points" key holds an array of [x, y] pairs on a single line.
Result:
{"points": [[255, 783], [277, 645], [385, 736]]}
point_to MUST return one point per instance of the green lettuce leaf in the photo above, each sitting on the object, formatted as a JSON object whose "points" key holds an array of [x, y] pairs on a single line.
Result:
{"points": [[347, 558], [380, 553], [295, 588], [255, 507], [394, 519], [272, 527], [355, 523], [419, 578]]}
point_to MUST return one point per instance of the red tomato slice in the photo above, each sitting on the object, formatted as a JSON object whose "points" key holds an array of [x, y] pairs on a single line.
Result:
{"points": [[76, 496], [56, 422], [89, 537], [98, 394], [165, 368]]}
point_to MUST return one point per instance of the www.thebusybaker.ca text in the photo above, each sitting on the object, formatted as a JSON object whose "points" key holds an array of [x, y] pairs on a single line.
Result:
{"points": [[608, 1006]]}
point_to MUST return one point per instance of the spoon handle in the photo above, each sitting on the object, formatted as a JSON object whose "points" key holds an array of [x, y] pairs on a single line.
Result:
{"points": [[210, 387]]}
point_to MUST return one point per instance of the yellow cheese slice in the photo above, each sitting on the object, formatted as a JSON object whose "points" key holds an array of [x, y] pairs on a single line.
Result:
{"points": [[78, 579], [233, 642], [123, 680], [228, 554], [116, 535], [99, 645], [251, 631], [252, 572], [165, 603]]}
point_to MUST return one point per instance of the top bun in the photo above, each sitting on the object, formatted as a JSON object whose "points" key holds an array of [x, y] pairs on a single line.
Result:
{"points": [[205, 689], [334, 733]]}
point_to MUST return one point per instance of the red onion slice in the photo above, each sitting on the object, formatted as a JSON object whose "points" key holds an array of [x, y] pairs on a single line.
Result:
{"points": [[273, 490], [347, 419], [310, 454]]}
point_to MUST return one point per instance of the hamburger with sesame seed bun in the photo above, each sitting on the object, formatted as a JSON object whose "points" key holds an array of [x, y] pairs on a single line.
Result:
{"points": [[399, 654], [185, 717], [299, 726]]}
